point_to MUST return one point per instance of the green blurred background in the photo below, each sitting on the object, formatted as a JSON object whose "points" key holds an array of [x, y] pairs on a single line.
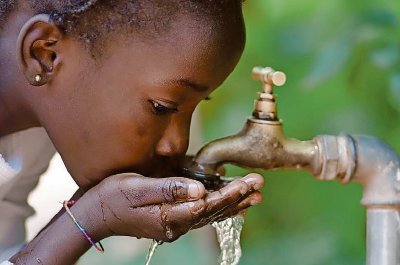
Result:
{"points": [[342, 60]]}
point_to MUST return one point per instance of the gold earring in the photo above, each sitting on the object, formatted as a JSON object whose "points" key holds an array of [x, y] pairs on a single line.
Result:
{"points": [[38, 78]]}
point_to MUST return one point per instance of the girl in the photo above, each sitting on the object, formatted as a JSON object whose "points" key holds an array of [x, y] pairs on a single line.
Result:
{"points": [[114, 84]]}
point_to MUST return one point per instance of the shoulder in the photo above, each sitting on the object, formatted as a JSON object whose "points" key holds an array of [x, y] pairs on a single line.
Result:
{"points": [[25, 153]]}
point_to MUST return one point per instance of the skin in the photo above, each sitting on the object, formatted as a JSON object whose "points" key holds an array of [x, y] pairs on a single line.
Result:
{"points": [[128, 111]]}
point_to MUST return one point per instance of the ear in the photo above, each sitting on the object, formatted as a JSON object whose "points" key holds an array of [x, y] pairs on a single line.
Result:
{"points": [[38, 49]]}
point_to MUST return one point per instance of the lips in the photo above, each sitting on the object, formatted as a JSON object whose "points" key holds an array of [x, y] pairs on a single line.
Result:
{"points": [[157, 167]]}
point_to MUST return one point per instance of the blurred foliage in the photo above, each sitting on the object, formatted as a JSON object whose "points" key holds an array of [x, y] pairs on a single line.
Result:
{"points": [[342, 59]]}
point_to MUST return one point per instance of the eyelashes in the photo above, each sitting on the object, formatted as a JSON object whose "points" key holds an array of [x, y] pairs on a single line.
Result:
{"points": [[161, 109]]}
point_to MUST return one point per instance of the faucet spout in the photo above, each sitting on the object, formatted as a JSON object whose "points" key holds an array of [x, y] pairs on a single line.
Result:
{"points": [[260, 145]]}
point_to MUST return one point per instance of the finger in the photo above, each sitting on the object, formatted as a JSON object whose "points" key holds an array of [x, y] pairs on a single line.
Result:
{"points": [[182, 217], [220, 199], [253, 199], [180, 189], [227, 214], [233, 192], [141, 191], [256, 181]]}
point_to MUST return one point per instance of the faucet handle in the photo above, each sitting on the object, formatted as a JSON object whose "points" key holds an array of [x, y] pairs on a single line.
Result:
{"points": [[265, 106], [269, 77]]}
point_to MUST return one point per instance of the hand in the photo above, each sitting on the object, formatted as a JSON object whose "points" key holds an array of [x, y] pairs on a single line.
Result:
{"points": [[164, 209]]}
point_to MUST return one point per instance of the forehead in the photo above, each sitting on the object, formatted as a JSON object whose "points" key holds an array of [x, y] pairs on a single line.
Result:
{"points": [[202, 52]]}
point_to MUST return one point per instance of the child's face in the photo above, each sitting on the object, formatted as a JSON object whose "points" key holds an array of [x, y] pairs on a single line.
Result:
{"points": [[131, 109]]}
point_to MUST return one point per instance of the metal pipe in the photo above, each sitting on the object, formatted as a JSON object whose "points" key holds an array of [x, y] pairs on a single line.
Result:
{"points": [[383, 237], [378, 170]]}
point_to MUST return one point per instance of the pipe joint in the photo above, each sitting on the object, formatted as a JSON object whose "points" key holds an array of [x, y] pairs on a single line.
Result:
{"points": [[378, 170], [365, 160], [337, 157]]}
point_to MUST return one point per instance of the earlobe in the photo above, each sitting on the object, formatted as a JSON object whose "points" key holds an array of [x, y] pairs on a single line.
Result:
{"points": [[38, 54]]}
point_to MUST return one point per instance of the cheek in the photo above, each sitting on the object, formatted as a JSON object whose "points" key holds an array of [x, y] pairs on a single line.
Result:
{"points": [[117, 142], [132, 140]]}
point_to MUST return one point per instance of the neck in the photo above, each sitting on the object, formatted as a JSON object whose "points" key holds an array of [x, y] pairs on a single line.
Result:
{"points": [[15, 112], [14, 115]]}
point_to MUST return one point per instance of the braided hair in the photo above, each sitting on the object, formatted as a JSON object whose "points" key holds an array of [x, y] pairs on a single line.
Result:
{"points": [[89, 20]]}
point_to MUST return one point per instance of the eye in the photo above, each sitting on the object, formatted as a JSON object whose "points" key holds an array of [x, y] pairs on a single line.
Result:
{"points": [[161, 109]]}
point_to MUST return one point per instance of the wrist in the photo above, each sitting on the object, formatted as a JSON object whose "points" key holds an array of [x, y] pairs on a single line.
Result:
{"points": [[89, 213], [50, 245]]}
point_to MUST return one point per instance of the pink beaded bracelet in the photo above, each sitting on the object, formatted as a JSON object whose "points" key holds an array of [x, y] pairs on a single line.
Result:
{"points": [[98, 245]]}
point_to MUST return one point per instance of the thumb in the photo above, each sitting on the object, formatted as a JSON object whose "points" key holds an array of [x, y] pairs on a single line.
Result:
{"points": [[142, 191], [180, 189]]}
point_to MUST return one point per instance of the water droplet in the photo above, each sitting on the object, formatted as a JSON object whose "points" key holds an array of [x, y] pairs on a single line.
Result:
{"points": [[168, 232]]}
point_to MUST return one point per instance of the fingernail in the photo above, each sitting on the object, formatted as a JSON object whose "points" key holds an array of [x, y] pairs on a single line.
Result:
{"points": [[244, 189], [254, 180], [194, 190]]}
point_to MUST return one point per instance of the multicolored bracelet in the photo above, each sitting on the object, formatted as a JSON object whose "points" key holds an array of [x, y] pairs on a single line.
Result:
{"points": [[98, 245]]}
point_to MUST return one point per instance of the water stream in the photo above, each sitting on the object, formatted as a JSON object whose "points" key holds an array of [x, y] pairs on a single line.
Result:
{"points": [[153, 246], [228, 234]]}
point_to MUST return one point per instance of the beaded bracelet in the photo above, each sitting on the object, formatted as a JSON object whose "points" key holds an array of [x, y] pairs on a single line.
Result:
{"points": [[98, 245]]}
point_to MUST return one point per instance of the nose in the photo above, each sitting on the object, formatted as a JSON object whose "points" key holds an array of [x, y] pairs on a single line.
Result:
{"points": [[175, 139]]}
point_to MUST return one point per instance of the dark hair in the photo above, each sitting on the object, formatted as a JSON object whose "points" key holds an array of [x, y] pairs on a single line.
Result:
{"points": [[88, 20]]}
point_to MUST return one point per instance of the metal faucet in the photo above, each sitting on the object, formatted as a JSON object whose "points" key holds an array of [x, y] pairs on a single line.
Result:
{"points": [[262, 144]]}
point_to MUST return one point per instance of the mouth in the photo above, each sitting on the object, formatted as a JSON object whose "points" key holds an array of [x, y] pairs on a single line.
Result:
{"points": [[210, 182], [159, 167], [180, 167], [211, 179]]}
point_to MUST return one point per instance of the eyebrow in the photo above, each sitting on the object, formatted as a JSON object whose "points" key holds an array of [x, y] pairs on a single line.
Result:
{"points": [[188, 83]]}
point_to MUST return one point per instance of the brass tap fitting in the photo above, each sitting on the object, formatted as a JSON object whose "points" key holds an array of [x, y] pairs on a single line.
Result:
{"points": [[265, 106]]}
